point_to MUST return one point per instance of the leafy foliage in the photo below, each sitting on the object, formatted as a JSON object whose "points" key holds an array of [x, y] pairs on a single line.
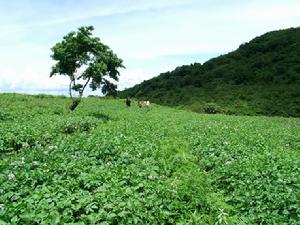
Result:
{"points": [[107, 164], [82, 57], [261, 77], [211, 108]]}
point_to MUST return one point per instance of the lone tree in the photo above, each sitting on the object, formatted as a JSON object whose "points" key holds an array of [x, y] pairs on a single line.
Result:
{"points": [[86, 61]]}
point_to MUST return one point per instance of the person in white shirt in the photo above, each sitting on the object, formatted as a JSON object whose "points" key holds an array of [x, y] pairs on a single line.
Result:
{"points": [[147, 103]]}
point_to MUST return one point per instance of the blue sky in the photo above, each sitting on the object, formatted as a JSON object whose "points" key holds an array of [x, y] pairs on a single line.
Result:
{"points": [[150, 36]]}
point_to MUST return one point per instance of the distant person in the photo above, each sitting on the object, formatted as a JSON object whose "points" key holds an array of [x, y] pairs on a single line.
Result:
{"points": [[128, 102], [140, 105], [147, 103]]}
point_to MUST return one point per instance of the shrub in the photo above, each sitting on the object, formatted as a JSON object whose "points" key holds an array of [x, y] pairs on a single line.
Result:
{"points": [[72, 125], [5, 116], [212, 108]]}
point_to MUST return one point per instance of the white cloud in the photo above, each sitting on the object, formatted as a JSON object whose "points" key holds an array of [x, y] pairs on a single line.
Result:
{"points": [[146, 34], [94, 9], [130, 77], [28, 80]]}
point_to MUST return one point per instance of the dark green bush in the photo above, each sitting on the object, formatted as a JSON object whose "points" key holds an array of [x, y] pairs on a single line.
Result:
{"points": [[211, 108], [77, 124], [4, 116]]}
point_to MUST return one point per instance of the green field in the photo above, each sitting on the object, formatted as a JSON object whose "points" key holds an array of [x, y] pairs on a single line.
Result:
{"points": [[107, 164]]}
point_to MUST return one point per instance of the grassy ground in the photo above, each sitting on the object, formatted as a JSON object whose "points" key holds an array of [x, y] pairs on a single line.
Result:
{"points": [[107, 164]]}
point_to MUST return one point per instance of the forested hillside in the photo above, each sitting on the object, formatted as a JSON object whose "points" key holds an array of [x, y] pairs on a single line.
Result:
{"points": [[260, 77]]}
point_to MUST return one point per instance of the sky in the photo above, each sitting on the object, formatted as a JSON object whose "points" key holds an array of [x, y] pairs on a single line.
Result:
{"points": [[150, 36]]}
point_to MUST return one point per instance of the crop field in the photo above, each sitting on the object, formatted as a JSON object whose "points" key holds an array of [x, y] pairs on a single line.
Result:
{"points": [[108, 164]]}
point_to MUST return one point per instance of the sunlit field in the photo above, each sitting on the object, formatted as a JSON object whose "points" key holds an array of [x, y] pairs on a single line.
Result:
{"points": [[105, 163]]}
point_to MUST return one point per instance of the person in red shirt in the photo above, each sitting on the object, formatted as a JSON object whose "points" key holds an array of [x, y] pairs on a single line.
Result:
{"points": [[140, 105]]}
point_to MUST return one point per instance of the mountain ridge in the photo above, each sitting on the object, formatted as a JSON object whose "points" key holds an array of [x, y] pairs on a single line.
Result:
{"points": [[261, 77]]}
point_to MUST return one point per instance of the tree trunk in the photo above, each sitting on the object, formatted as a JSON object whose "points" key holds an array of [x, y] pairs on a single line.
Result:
{"points": [[75, 103], [70, 89]]}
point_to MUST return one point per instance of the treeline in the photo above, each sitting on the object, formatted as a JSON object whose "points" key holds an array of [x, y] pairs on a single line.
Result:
{"points": [[260, 77]]}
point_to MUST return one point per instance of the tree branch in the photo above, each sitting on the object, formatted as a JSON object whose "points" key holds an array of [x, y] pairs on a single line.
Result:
{"points": [[86, 83], [70, 89]]}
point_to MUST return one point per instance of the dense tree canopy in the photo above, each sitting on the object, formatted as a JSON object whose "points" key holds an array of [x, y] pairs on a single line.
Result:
{"points": [[86, 61], [261, 77]]}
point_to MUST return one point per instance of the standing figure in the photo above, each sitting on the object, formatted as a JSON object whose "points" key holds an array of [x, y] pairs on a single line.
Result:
{"points": [[140, 105], [128, 102], [147, 103]]}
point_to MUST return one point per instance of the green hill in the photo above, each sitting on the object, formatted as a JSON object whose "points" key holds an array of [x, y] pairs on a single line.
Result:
{"points": [[260, 77], [109, 164]]}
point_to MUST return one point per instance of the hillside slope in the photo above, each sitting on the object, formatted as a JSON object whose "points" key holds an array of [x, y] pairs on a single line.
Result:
{"points": [[260, 77], [109, 164]]}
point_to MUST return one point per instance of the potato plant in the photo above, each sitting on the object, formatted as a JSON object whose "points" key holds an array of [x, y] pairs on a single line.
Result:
{"points": [[109, 164]]}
